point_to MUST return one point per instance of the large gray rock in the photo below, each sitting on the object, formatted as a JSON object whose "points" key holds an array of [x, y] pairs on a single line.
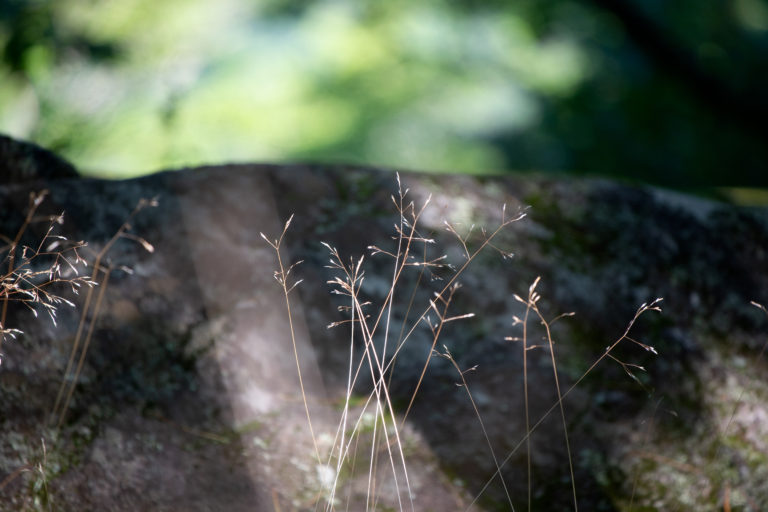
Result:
{"points": [[189, 397]]}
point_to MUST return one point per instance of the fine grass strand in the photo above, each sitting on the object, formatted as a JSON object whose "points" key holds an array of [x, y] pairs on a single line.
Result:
{"points": [[84, 351], [346, 288], [281, 275], [386, 426], [378, 388], [529, 471], [533, 298], [397, 268], [350, 286], [406, 234], [30, 278], [452, 280], [345, 413], [436, 330], [34, 203], [447, 355], [652, 306], [59, 408]]}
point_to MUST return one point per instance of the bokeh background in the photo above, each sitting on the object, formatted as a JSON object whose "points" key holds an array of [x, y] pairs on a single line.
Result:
{"points": [[673, 93]]}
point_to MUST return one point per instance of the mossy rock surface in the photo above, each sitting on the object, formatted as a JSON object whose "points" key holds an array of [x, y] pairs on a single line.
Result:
{"points": [[188, 397]]}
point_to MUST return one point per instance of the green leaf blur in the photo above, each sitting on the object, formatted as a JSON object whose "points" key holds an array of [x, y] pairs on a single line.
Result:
{"points": [[664, 92]]}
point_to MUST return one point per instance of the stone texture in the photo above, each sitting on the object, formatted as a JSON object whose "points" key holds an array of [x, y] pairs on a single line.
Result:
{"points": [[189, 399]]}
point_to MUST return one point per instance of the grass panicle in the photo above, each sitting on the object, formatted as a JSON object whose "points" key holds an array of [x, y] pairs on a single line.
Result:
{"points": [[373, 350], [371, 342], [369, 444], [35, 276]]}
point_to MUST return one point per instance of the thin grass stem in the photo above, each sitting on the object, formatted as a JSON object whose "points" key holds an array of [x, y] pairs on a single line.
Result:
{"points": [[464, 384], [653, 306]]}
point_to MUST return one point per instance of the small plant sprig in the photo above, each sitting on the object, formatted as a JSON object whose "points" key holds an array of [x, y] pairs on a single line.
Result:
{"points": [[370, 336], [370, 327], [34, 276], [69, 381], [373, 330], [531, 304], [38, 486], [406, 234], [282, 275]]}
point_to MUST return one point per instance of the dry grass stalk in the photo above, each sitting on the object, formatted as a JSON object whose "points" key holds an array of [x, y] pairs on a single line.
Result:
{"points": [[33, 276], [369, 327], [70, 378], [281, 276], [645, 307], [464, 385], [531, 305]]}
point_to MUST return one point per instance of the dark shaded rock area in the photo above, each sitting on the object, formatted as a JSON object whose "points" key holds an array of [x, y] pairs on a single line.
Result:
{"points": [[189, 400], [23, 162]]}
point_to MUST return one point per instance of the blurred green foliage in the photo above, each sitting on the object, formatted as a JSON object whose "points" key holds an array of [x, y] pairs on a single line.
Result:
{"points": [[667, 92]]}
